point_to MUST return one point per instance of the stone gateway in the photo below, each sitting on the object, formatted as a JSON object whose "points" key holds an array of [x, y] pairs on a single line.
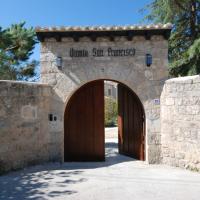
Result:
{"points": [[106, 53], [62, 119]]}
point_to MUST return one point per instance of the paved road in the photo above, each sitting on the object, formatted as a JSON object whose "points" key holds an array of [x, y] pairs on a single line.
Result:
{"points": [[119, 178]]}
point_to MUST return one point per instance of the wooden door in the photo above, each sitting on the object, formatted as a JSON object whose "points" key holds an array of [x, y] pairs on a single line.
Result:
{"points": [[84, 124], [130, 124]]}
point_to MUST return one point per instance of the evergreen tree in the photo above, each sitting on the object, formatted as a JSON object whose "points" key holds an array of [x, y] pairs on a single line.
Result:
{"points": [[16, 46], [184, 43]]}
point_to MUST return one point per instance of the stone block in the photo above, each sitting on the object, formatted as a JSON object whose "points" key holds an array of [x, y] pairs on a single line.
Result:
{"points": [[154, 138], [154, 154], [179, 155], [169, 101], [29, 112]]}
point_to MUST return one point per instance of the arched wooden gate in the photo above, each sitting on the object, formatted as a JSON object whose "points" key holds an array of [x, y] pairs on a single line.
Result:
{"points": [[84, 124]]}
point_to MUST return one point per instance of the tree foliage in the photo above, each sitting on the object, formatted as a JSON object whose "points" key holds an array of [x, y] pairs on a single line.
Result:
{"points": [[184, 43], [110, 112], [16, 46]]}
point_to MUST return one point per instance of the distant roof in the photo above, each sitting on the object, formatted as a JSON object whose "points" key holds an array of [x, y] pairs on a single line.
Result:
{"points": [[92, 31]]}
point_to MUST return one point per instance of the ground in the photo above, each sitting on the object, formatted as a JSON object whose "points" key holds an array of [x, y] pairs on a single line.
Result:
{"points": [[119, 178]]}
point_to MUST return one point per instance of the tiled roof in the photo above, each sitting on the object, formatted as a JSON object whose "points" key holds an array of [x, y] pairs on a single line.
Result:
{"points": [[103, 28]]}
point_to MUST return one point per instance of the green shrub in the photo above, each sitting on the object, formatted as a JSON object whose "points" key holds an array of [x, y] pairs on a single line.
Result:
{"points": [[110, 112]]}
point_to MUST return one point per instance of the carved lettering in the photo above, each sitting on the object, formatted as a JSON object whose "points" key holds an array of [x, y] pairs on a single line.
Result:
{"points": [[78, 53], [97, 52]]}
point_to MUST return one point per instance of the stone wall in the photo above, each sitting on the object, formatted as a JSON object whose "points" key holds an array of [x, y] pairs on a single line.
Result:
{"points": [[146, 82], [26, 135], [180, 122]]}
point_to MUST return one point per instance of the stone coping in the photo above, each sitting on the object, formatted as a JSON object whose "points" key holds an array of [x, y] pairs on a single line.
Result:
{"points": [[24, 83], [185, 79]]}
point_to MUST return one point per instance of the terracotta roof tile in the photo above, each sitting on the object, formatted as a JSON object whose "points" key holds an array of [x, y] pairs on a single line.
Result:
{"points": [[103, 28]]}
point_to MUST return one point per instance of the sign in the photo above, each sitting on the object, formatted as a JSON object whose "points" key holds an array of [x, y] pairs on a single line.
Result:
{"points": [[98, 52], [156, 101]]}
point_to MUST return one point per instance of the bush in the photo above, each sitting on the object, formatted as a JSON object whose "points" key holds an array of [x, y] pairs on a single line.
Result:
{"points": [[110, 112]]}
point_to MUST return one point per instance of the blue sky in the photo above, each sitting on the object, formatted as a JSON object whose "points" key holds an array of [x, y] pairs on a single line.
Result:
{"points": [[70, 12]]}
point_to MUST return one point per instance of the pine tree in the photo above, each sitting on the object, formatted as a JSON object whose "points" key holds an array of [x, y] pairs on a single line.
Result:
{"points": [[16, 46], [184, 43]]}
